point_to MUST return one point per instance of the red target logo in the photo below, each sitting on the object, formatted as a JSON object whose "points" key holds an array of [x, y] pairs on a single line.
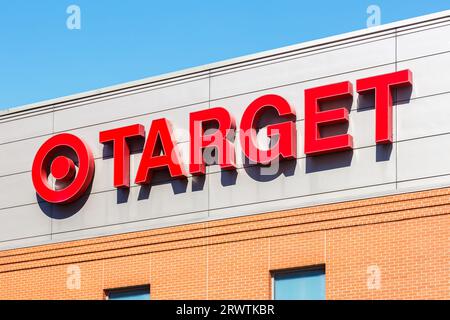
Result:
{"points": [[48, 160]]}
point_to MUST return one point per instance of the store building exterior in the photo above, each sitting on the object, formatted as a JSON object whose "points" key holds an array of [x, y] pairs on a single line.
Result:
{"points": [[112, 193]]}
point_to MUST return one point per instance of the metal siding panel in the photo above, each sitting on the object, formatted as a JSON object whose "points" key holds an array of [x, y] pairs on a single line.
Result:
{"points": [[425, 183], [421, 158], [24, 222], [17, 157], [132, 104], [424, 117], [429, 76], [308, 67], [25, 242], [161, 200], [302, 201], [326, 173], [17, 190], [26, 127], [130, 227], [431, 41]]}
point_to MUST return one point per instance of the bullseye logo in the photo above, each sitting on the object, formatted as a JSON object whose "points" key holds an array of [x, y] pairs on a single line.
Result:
{"points": [[74, 179]]}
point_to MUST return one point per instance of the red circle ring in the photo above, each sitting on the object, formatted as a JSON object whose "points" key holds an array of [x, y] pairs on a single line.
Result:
{"points": [[43, 159]]}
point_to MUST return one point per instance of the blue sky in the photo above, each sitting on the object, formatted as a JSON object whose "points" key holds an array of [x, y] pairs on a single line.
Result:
{"points": [[121, 41]]}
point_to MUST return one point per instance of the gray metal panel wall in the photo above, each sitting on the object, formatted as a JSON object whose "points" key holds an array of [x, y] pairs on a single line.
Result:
{"points": [[419, 158]]}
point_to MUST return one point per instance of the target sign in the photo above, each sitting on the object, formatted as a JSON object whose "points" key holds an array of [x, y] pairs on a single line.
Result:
{"points": [[62, 168], [161, 149]]}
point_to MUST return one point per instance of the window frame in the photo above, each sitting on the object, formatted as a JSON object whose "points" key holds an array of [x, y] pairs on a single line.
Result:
{"points": [[106, 292], [274, 273]]}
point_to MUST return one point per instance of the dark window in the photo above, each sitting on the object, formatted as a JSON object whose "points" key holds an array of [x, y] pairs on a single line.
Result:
{"points": [[130, 293]]}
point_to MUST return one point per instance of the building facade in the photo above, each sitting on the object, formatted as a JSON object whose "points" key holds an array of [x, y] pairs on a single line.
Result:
{"points": [[360, 219]]}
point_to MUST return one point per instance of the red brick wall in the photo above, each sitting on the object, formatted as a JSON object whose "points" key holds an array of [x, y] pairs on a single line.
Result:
{"points": [[406, 237]]}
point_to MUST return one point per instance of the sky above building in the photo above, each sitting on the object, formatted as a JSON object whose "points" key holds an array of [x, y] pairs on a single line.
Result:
{"points": [[57, 48]]}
